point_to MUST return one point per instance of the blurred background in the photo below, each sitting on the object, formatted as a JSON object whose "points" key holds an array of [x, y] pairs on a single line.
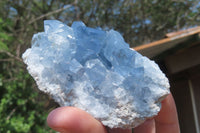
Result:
{"points": [[23, 108]]}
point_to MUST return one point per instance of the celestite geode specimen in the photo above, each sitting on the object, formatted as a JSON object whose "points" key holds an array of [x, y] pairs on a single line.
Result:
{"points": [[96, 71]]}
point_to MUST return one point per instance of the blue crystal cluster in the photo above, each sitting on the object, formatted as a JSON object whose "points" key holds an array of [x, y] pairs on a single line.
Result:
{"points": [[96, 71]]}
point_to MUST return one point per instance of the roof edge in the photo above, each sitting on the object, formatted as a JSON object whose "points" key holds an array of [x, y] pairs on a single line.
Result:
{"points": [[170, 38]]}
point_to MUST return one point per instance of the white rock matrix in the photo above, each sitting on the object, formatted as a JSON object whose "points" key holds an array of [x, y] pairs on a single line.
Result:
{"points": [[96, 71]]}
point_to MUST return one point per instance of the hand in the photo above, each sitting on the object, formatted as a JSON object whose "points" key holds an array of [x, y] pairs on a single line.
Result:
{"points": [[74, 120]]}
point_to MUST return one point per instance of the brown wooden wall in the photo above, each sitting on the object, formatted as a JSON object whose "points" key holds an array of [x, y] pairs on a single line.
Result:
{"points": [[183, 70]]}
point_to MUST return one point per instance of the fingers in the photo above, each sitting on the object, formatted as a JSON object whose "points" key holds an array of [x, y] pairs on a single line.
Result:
{"points": [[167, 119], [119, 130], [147, 127], [165, 122], [73, 120]]}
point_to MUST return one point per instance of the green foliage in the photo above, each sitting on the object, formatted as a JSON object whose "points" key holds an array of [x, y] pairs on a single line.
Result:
{"points": [[20, 111], [4, 37]]}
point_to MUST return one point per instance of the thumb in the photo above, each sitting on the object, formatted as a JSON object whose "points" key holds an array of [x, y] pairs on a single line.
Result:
{"points": [[74, 120]]}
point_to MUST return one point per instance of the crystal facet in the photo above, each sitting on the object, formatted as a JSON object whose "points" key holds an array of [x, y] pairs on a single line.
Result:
{"points": [[96, 71]]}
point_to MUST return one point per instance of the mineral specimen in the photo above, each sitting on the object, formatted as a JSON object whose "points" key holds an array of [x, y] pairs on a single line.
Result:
{"points": [[96, 71]]}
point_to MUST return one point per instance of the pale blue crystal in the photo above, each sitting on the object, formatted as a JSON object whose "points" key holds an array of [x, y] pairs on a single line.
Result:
{"points": [[96, 71]]}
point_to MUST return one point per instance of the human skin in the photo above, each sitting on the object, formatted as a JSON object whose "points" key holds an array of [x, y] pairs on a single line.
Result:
{"points": [[74, 120]]}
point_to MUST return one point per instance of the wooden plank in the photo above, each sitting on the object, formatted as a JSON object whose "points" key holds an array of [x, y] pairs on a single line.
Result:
{"points": [[152, 49], [172, 34], [183, 60], [181, 93], [194, 106], [155, 48], [196, 85]]}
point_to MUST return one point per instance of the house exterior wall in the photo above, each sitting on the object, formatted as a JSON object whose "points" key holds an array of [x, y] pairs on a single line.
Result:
{"points": [[183, 70]]}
